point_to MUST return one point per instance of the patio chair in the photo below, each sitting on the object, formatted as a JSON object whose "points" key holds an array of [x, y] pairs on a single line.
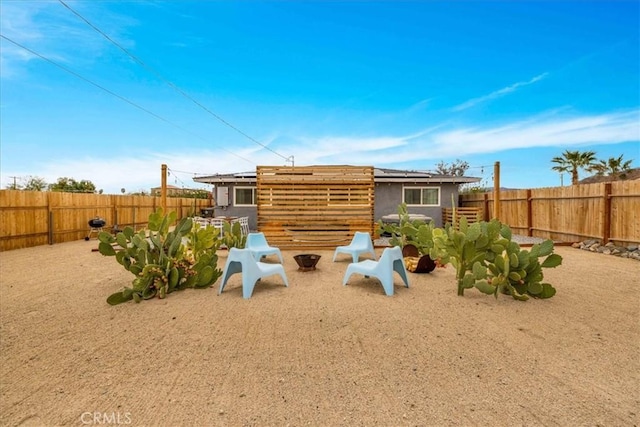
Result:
{"points": [[217, 223], [244, 224], [391, 260], [242, 261], [202, 222], [257, 244], [360, 244]]}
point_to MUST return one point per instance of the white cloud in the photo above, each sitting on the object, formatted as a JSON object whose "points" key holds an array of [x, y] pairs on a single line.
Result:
{"points": [[544, 130], [595, 129], [143, 171], [498, 93]]}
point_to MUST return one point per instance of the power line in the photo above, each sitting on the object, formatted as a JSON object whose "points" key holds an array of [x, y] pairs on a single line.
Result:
{"points": [[110, 92], [170, 84], [176, 178]]}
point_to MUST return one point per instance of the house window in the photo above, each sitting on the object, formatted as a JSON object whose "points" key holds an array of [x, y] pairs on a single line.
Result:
{"points": [[421, 196], [245, 196]]}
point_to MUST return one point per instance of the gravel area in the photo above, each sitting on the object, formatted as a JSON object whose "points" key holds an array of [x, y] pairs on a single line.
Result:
{"points": [[315, 353]]}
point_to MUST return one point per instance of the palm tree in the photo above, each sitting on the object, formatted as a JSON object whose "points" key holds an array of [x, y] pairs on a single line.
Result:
{"points": [[614, 167], [571, 161]]}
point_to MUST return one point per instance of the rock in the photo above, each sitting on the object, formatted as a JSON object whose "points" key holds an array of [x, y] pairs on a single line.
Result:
{"points": [[631, 251]]}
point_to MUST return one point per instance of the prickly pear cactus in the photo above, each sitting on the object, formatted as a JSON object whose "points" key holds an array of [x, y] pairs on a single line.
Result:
{"points": [[408, 231], [233, 236], [163, 260], [486, 258]]}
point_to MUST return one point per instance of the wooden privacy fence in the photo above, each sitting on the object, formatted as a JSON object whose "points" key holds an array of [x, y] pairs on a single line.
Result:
{"points": [[605, 211], [315, 206], [33, 218]]}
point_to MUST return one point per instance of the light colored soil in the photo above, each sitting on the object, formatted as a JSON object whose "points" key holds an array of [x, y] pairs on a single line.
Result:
{"points": [[316, 353]]}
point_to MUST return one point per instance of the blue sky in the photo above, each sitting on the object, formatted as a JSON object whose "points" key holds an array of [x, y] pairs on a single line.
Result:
{"points": [[226, 86]]}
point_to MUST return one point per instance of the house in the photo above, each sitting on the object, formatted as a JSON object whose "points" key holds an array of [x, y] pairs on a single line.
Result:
{"points": [[424, 193]]}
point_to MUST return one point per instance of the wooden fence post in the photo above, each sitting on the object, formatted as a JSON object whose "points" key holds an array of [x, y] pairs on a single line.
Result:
{"points": [[114, 212], [606, 220], [50, 215], [163, 188], [496, 190], [529, 215], [50, 228], [485, 206]]}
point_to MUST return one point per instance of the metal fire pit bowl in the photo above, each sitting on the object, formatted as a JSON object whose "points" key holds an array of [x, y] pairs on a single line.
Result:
{"points": [[307, 262]]}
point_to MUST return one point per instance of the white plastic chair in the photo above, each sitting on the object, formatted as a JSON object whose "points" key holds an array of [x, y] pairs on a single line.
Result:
{"points": [[217, 223], [244, 224], [391, 260], [202, 222], [241, 261], [360, 244], [257, 244]]}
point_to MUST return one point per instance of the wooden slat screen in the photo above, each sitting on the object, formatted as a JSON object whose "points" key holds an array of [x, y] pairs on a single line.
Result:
{"points": [[314, 206], [472, 214]]}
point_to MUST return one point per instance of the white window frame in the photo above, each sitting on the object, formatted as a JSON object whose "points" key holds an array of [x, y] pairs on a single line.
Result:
{"points": [[253, 195], [412, 187]]}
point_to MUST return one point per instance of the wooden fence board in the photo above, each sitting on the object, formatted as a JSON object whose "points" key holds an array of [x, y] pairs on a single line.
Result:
{"points": [[33, 218], [604, 211], [24, 219], [625, 211]]}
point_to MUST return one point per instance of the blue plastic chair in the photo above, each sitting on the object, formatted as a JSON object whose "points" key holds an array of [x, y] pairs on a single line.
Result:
{"points": [[391, 260], [242, 261], [360, 244], [257, 244]]}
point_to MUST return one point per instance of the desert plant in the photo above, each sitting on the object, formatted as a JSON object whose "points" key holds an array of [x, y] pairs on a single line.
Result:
{"points": [[408, 231], [485, 257], [233, 237], [416, 233], [614, 166], [161, 260]]}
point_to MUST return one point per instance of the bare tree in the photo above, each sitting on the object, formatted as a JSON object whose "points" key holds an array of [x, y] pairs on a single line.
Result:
{"points": [[457, 168]]}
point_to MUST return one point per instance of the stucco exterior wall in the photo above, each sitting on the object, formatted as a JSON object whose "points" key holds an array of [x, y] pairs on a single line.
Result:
{"points": [[389, 195], [387, 198], [233, 210]]}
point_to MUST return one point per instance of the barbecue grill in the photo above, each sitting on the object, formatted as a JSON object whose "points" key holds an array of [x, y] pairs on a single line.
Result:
{"points": [[95, 226]]}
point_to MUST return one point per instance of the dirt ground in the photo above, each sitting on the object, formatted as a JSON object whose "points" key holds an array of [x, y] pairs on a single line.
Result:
{"points": [[315, 353]]}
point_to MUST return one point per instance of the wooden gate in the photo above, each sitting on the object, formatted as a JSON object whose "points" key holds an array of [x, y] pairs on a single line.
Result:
{"points": [[314, 206]]}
